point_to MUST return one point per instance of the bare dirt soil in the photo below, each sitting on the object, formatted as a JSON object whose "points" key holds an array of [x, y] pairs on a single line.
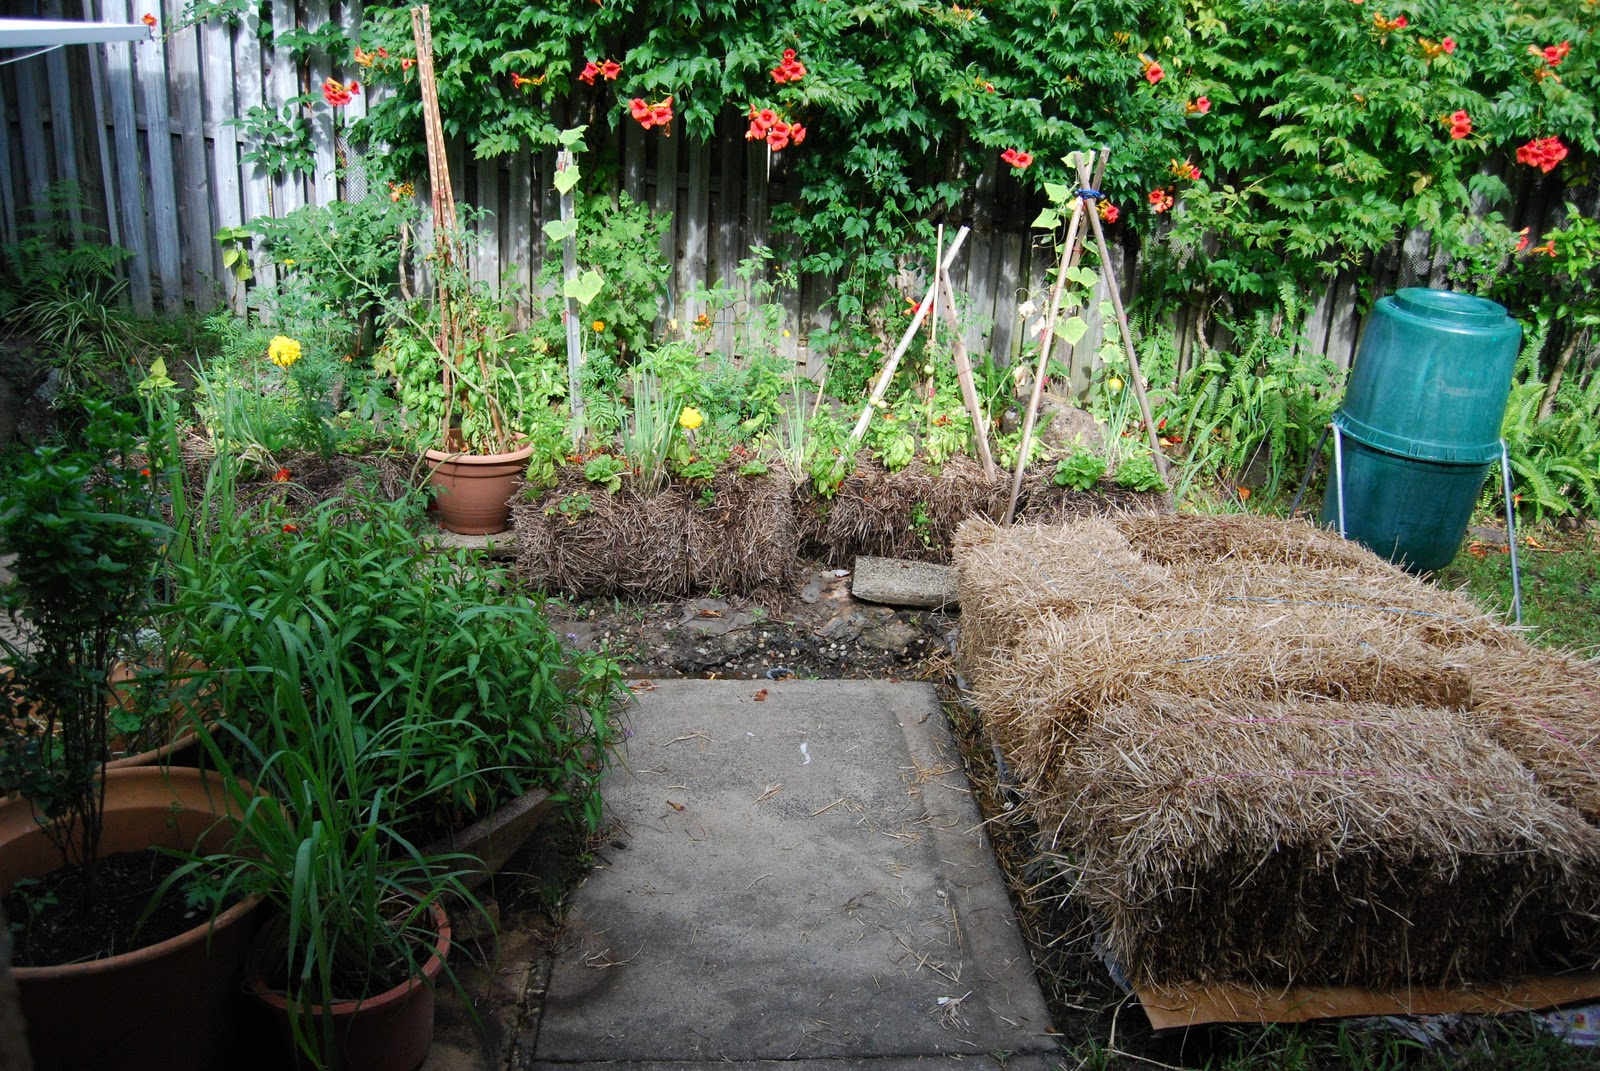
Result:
{"points": [[817, 630]]}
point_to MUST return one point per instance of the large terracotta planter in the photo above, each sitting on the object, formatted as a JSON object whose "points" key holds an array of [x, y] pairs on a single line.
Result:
{"points": [[391, 1031], [173, 1005], [475, 489]]}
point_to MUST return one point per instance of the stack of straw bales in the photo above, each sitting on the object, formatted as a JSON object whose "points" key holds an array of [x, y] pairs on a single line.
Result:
{"points": [[1260, 753]]}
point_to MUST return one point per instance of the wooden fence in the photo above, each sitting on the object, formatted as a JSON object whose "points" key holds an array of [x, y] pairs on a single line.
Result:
{"points": [[144, 131]]}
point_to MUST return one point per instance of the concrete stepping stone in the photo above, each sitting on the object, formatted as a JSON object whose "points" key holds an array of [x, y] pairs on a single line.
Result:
{"points": [[801, 876], [895, 582]]}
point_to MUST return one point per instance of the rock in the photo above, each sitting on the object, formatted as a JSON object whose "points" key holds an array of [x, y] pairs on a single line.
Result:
{"points": [[891, 635], [1065, 427], [901, 583]]}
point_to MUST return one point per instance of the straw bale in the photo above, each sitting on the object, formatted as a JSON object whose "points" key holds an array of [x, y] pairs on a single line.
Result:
{"points": [[1064, 668], [1315, 842], [585, 541], [1544, 708], [1011, 574], [913, 514], [1173, 540]]}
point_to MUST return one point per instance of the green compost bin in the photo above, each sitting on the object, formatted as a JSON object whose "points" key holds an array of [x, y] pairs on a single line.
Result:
{"points": [[1420, 423]]}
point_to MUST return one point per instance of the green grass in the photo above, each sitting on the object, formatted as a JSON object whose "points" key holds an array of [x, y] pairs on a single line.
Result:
{"points": [[1560, 585]]}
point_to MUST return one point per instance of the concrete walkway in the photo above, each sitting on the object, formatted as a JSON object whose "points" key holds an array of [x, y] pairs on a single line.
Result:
{"points": [[804, 879]]}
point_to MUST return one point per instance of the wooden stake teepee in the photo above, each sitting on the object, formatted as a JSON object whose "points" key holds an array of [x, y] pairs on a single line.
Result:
{"points": [[1084, 206]]}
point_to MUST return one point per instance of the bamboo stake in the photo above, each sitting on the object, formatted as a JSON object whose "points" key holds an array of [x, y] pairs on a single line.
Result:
{"points": [[1134, 374], [969, 389], [881, 388], [569, 274], [1069, 260]]}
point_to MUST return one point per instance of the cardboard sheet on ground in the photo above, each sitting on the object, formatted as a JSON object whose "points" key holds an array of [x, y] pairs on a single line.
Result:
{"points": [[1176, 1007]]}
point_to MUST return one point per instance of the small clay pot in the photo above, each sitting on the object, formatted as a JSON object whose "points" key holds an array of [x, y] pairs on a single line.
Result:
{"points": [[391, 1031]]}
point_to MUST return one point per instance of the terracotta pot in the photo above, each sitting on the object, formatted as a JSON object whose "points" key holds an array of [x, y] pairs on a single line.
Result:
{"points": [[496, 838], [391, 1031], [173, 1005], [475, 489]]}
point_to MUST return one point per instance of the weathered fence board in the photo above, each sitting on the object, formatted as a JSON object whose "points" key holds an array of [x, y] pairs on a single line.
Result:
{"points": [[150, 60], [130, 191], [8, 198]]}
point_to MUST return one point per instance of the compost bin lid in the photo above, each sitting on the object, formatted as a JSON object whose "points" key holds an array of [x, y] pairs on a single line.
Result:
{"points": [[1447, 306]]}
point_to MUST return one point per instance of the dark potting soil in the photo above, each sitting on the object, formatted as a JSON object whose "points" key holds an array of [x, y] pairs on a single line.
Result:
{"points": [[50, 924]]}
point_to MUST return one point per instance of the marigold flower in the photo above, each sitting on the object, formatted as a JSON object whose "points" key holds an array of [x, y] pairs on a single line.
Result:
{"points": [[291, 528], [281, 476], [599, 326], [690, 418], [283, 351]]}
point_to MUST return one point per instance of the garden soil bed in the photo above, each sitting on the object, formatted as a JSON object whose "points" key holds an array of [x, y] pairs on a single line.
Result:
{"points": [[62, 931]]}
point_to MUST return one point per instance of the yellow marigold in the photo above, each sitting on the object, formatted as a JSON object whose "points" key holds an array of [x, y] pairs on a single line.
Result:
{"points": [[599, 325], [283, 351], [690, 418]]}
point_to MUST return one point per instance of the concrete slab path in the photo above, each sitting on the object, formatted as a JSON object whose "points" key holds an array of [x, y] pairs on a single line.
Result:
{"points": [[804, 880]]}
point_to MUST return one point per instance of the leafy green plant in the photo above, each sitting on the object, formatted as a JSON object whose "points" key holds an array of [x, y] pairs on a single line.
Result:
{"points": [[1553, 438], [419, 635], [1258, 406], [350, 250], [465, 377], [607, 470], [1138, 473], [1079, 470], [82, 525], [624, 240], [62, 291]]}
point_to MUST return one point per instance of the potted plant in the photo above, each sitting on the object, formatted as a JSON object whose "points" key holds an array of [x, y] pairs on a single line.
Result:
{"points": [[348, 964], [477, 390], [81, 524], [487, 706]]}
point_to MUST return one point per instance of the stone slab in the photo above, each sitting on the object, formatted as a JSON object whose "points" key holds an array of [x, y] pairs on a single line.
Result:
{"points": [[805, 878], [894, 582]]}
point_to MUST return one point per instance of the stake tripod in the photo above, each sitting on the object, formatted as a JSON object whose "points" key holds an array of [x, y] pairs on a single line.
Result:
{"points": [[1083, 207]]}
